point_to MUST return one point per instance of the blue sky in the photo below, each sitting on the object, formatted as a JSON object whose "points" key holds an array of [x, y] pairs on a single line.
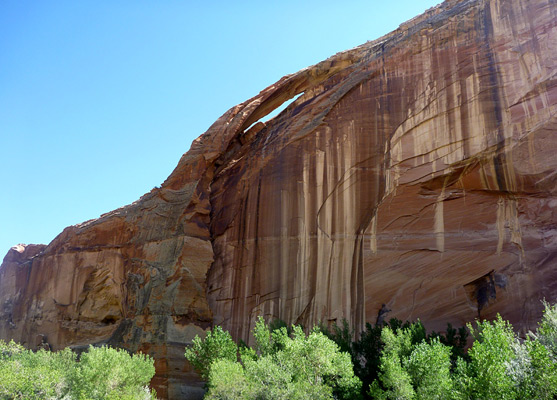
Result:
{"points": [[99, 99]]}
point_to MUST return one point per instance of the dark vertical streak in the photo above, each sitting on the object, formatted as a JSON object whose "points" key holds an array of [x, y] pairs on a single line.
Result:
{"points": [[257, 208], [494, 84]]}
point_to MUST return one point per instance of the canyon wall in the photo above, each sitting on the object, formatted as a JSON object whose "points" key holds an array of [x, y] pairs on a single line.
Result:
{"points": [[414, 176]]}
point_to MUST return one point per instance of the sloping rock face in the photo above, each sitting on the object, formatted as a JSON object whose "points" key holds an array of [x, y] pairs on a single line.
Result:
{"points": [[413, 177]]}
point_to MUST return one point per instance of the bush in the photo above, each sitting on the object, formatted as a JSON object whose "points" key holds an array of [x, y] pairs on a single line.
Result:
{"points": [[280, 366], [412, 371], [498, 365], [29, 375], [217, 345], [366, 352], [546, 333], [102, 373], [533, 367], [396, 361], [429, 366], [106, 373], [489, 356]]}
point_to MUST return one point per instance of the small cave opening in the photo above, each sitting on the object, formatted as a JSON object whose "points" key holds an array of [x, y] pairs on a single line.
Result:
{"points": [[483, 290], [109, 320]]}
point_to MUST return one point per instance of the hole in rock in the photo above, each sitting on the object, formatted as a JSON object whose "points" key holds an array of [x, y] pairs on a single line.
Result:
{"points": [[281, 108], [109, 320], [275, 112]]}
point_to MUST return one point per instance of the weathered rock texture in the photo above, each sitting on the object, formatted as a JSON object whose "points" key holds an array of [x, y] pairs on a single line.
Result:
{"points": [[416, 173]]}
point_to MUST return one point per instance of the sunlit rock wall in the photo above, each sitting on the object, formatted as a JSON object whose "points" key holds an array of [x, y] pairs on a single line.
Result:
{"points": [[421, 177], [415, 176]]}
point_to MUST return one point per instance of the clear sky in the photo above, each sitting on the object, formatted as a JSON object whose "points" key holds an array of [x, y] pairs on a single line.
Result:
{"points": [[100, 98]]}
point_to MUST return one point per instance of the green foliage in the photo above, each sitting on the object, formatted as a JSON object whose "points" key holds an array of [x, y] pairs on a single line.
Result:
{"points": [[367, 350], [410, 370], [456, 339], [29, 375], [393, 376], [497, 366], [533, 371], [218, 344], [366, 354], [106, 373], [395, 361], [228, 381], [489, 356], [102, 373], [429, 366], [501, 366], [264, 343], [281, 365], [546, 333], [277, 324], [342, 336], [533, 367]]}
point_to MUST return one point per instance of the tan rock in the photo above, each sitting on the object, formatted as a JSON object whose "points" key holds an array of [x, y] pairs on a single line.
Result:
{"points": [[415, 173]]}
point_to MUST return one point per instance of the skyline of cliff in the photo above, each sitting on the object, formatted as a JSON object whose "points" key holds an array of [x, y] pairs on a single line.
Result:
{"points": [[99, 101], [414, 173]]}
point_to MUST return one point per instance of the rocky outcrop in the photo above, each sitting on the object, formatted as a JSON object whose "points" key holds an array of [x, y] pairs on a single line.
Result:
{"points": [[415, 173]]}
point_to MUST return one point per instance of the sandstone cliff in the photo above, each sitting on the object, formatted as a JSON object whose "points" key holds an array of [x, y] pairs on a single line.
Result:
{"points": [[415, 173]]}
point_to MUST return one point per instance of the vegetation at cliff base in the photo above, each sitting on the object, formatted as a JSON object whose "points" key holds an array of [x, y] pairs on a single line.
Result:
{"points": [[395, 361], [388, 361], [100, 373], [281, 365]]}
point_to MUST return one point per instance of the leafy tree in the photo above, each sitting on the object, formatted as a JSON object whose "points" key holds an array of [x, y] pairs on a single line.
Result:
{"points": [[404, 360], [533, 372], [533, 367], [218, 344], [367, 350], [456, 339], [546, 333], [280, 366], [102, 373], [393, 376], [429, 367], [107, 373], [341, 335], [489, 356], [410, 370], [366, 354], [40, 375], [228, 380]]}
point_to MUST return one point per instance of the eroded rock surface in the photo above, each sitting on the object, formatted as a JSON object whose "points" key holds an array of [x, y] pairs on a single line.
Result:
{"points": [[415, 173]]}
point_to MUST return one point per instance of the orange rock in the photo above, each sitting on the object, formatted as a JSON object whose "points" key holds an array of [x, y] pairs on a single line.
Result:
{"points": [[415, 173]]}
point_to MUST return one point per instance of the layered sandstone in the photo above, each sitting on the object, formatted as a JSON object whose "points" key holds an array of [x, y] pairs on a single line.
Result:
{"points": [[415, 173]]}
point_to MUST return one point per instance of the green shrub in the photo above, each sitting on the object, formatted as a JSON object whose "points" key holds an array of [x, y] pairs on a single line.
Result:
{"points": [[217, 345], [29, 375], [546, 333], [429, 366], [107, 373], [367, 350], [412, 370], [533, 367], [490, 354], [279, 366], [102, 373], [396, 361]]}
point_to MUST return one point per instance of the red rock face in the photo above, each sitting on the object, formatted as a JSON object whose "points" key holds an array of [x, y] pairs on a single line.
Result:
{"points": [[415, 173]]}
